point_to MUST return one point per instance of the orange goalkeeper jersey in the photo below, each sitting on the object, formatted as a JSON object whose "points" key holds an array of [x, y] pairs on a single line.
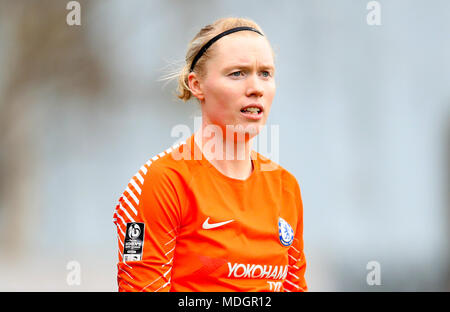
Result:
{"points": [[184, 226]]}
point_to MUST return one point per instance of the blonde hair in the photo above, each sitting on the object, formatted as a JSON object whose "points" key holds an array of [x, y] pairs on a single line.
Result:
{"points": [[201, 38]]}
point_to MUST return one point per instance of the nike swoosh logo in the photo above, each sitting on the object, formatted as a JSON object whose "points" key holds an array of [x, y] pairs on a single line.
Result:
{"points": [[207, 226]]}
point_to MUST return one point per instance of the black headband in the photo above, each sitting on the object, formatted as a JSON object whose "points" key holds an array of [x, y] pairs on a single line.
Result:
{"points": [[214, 39]]}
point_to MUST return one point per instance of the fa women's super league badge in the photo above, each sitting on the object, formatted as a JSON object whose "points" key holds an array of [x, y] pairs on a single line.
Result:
{"points": [[285, 232], [134, 242]]}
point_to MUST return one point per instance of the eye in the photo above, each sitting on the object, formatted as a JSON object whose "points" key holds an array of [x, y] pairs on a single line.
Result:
{"points": [[236, 73], [265, 74]]}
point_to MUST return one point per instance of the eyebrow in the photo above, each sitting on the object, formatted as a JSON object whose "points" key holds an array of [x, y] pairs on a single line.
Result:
{"points": [[245, 66]]}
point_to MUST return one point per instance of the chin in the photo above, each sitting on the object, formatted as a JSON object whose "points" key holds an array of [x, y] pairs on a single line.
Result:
{"points": [[243, 132]]}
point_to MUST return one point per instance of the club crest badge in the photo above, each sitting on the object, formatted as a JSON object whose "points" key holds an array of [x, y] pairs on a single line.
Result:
{"points": [[285, 232]]}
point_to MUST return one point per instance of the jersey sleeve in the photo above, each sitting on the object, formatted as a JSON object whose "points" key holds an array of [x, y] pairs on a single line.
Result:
{"points": [[151, 205], [295, 279]]}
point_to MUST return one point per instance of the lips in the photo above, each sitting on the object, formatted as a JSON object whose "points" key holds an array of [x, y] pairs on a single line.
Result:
{"points": [[253, 111]]}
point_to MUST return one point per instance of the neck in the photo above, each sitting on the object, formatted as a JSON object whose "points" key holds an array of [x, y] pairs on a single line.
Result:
{"points": [[228, 154]]}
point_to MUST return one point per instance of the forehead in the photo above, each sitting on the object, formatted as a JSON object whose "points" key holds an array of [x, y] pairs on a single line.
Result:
{"points": [[243, 47]]}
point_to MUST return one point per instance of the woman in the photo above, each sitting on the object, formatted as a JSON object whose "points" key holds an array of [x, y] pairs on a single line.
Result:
{"points": [[211, 214]]}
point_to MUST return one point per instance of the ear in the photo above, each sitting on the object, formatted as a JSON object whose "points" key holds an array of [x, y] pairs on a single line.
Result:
{"points": [[195, 86]]}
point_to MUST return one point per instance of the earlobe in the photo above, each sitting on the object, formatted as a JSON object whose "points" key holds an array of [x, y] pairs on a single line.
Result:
{"points": [[195, 86]]}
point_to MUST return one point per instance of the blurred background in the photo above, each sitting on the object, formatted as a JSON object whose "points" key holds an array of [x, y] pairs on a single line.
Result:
{"points": [[363, 113]]}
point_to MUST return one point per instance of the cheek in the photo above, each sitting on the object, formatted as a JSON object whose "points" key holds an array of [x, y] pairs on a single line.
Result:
{"points": [[217, 101], [222, 94], [270, 94], [212, 92]]}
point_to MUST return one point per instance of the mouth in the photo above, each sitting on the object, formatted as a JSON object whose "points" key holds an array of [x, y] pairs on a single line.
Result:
{"points": [[253, 111]]}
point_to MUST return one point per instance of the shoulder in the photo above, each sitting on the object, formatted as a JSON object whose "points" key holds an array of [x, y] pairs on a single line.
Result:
{"points": [[167, 166], [162, 179], [161, 173]]}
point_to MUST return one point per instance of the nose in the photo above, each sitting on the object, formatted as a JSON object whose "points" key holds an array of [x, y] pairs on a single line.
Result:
{"points": [[254, 86]]}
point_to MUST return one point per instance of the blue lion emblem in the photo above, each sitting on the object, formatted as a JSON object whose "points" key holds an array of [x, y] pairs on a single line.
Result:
{"points": [[285, 232]]}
